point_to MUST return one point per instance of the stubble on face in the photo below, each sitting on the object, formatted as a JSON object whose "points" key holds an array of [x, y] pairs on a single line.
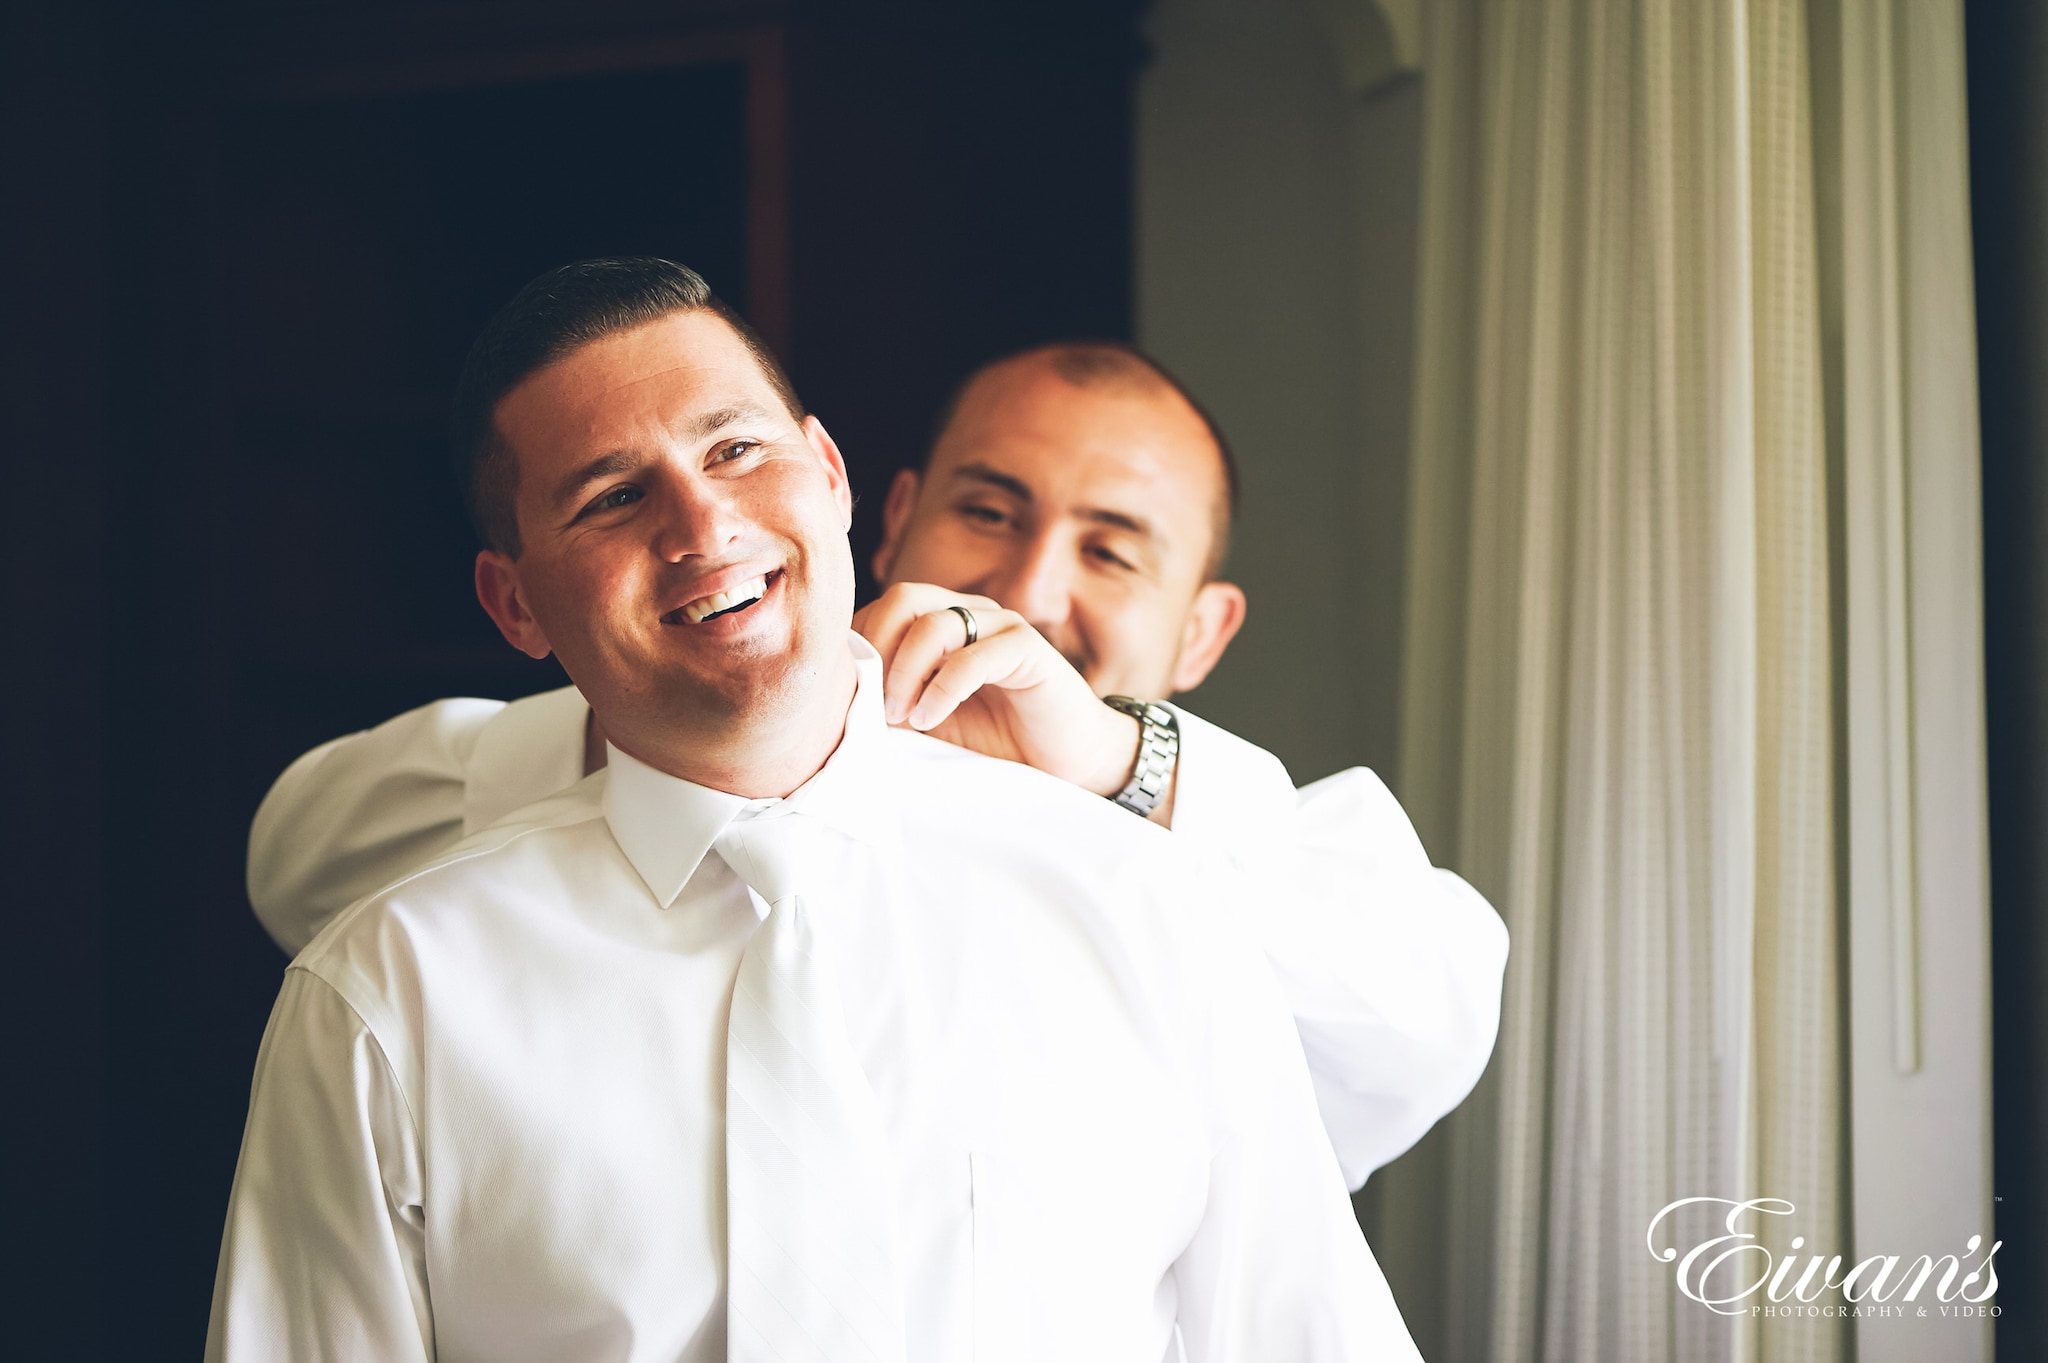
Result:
{"points": [[1121, 479]]}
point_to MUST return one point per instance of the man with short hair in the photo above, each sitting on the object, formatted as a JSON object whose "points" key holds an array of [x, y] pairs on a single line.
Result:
{"points": [[1080, 486], [791, 1035]]}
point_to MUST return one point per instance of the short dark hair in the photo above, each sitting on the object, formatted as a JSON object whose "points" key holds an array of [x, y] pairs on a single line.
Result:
{"points": [[1085, 363], [560, 312]]}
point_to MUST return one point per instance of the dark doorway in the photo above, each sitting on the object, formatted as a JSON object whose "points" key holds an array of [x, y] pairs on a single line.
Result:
{"points": [[366, 240]]}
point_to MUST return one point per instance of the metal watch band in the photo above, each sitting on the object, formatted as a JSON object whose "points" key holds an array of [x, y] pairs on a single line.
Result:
{"points": [[1158, 751]]}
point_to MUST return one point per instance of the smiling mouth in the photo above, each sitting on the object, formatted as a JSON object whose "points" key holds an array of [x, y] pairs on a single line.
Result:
{"points": [[732, 600]]}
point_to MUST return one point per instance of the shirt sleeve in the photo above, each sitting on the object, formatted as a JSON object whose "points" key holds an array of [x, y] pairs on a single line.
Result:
{"points": [[356, 814], [1391, 967], [1227, 793], [1278, 1267], [324, 1256]]}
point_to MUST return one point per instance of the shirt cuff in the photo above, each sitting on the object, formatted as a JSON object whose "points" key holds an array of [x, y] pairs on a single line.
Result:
{"points": [[1229, 793]]}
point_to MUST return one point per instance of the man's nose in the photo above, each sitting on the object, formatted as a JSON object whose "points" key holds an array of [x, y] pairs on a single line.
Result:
{"points": [[693, 518], [1038, 581]]}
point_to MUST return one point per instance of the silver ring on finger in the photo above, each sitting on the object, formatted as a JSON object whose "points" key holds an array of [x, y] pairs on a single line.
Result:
{"points": [[967, 619]]}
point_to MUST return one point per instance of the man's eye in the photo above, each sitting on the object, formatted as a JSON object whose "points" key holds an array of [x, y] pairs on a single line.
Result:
{"points": [[982, 515], [1107, 557], [735, 450], [616, 498]]}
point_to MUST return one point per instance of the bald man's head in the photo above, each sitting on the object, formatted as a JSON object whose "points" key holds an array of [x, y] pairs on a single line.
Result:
{"points": [[1079, 485], [1115, 365]]}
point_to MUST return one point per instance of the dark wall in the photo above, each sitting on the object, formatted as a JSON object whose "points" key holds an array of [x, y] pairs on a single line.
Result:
{"points": [[53, 435], [910, 251], [2008, 83], [247, 245]]}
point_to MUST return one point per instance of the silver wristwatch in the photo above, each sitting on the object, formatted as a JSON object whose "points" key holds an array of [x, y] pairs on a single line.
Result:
{"points": [[1158, 751]]}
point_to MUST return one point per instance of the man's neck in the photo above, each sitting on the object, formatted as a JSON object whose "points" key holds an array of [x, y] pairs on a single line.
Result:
{"points": [[766, 758]]}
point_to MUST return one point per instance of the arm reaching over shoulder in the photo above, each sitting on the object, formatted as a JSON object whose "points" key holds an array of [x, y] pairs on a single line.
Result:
{"points": [[1393, 968], [355, 814]]}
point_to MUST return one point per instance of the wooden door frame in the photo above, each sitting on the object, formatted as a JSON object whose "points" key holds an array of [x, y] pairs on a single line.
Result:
{"points": [[763, 52]]}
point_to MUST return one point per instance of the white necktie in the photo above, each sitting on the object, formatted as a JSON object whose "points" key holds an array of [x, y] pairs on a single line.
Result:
{"points": [[808, 1208]]}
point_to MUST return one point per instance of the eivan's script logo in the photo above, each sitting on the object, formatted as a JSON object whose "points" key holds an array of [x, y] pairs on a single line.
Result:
{"points": [[1716, 1272]]}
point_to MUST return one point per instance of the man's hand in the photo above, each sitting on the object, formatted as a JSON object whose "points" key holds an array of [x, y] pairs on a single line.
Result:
{"points": [[1009, 694]]}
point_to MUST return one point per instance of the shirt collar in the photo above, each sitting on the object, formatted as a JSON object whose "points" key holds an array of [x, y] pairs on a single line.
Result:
{"points": [[665, 824]]}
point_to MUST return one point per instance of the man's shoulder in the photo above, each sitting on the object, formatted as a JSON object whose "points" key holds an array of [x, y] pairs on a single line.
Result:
{"points": [[512, 860], [947, 784], [1031, 860], [1035, 838]]}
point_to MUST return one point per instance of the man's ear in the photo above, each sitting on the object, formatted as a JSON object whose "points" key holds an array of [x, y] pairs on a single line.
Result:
{"points": [[835, 466], [902, 500], [1213, 621], [497, 587]]}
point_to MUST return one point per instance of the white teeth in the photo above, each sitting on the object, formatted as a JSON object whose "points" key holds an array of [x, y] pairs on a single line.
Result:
{"points": [[740, 595]]}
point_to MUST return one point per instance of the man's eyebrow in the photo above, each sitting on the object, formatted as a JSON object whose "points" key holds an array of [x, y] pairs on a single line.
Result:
{"points": [[1122, 520], [718, 418], [1016, 487], [982, 473], [604, 466]]}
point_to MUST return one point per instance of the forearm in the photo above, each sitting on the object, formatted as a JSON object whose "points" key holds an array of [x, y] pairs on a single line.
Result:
{"points": [[356, 814], [353, 814]]}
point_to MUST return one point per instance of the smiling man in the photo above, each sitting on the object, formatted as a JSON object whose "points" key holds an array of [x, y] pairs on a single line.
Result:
{"points": [[789, 1035]]}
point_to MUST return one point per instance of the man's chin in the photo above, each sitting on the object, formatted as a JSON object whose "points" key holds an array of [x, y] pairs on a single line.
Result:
{"points": [[761, 685], [675, 693]]}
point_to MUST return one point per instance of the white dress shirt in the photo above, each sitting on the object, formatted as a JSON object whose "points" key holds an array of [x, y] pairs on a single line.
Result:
{"points": [[1392, 966], [487, 1118]]}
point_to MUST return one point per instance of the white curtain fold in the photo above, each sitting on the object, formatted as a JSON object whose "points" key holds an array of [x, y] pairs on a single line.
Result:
{"points": [[1917, 855], [1625, 716]]}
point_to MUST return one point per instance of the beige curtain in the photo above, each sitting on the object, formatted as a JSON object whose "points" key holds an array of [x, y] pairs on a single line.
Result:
{"points": [[1625, 713]]}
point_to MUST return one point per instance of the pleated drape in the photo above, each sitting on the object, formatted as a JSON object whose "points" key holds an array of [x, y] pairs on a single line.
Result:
{"points": [[1620, 702]]}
